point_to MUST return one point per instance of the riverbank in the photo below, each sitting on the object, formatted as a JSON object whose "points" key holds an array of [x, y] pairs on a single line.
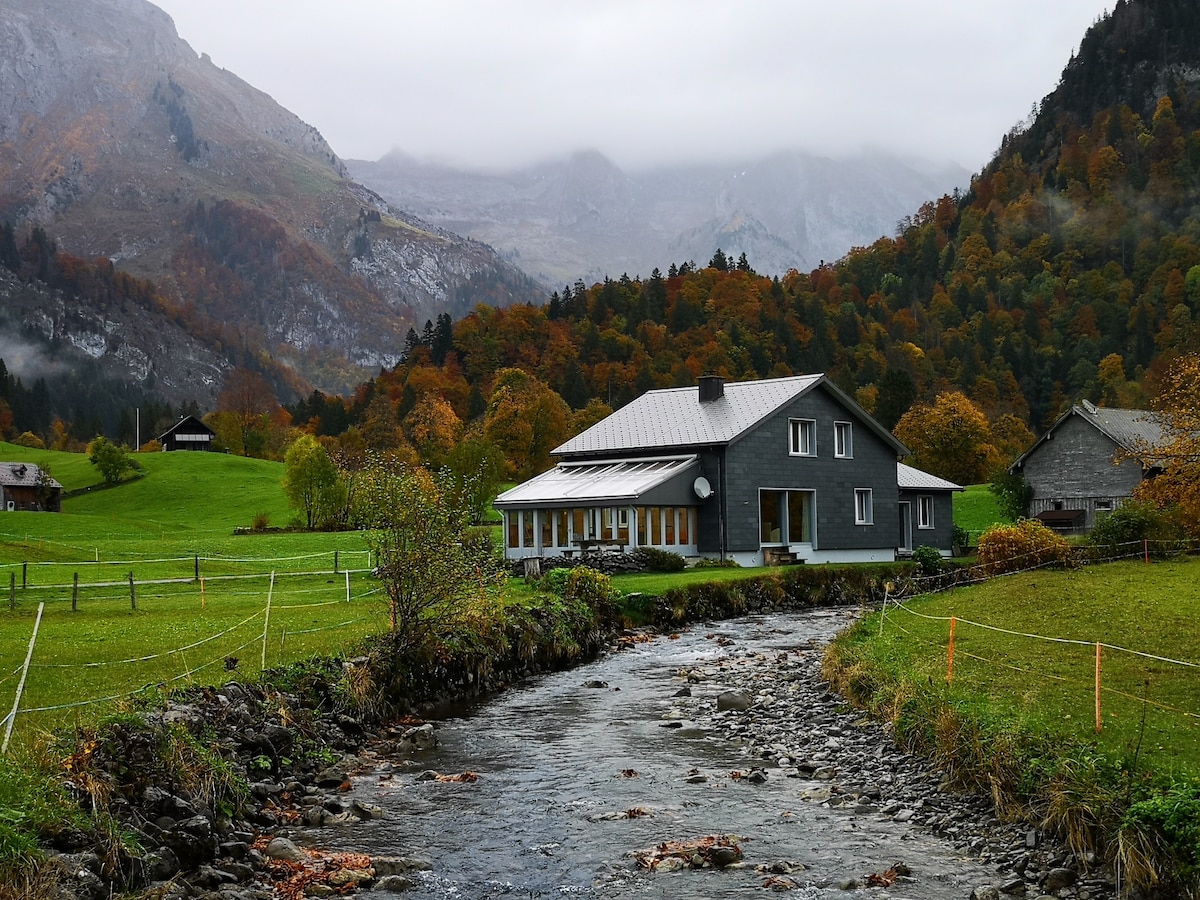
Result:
{"points": [[789, 724]]}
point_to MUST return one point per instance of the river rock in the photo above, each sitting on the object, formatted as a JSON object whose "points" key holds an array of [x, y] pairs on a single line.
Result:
{"points": [[1057, 879], [334, 775], [282, 848], [738, 701], [419, 738], [398, 865], [394, 884], [985, 893]]}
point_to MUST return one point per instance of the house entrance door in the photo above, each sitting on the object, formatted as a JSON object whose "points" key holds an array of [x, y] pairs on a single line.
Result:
{"points": [[905, 527]]}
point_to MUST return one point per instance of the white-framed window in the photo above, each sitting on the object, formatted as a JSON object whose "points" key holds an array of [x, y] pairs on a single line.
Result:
{"points": [[843, 440], [863, 508], [925, 512], [802, 437]]}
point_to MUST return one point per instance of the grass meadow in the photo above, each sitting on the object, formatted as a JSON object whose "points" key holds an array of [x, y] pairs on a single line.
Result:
{"points": [[180, 514], [1025, 651]]}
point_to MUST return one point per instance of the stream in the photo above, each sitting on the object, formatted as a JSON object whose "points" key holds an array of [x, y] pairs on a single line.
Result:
{"points": [[555, 760]]}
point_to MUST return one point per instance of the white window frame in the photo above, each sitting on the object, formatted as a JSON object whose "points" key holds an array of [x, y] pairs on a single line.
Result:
{"points": [[925, 511], [798, 431], [864, 507], [843, 440]]}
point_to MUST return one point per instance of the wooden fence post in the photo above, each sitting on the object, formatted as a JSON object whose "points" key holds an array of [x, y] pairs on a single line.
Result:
{"points": [[197, 576], [12, 591], [24, 575], [132, 593], [347, 585], [12, 716], [950, 651], [335, 562], [267, 623], [1099, 720], [75, 594]]}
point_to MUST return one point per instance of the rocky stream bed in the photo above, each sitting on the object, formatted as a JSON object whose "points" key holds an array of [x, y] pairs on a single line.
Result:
{"points": [[350, 818]]}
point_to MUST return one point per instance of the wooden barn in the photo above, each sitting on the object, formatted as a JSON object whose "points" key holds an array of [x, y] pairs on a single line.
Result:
{"points": [[26, 487]]}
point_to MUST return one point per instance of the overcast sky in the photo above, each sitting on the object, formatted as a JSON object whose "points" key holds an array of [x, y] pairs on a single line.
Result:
{"points": [[485, 83]]}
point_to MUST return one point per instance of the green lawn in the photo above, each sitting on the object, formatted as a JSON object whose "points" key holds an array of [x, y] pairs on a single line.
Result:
{"points": [[183, 510], [1025, 648], [976, 510]]}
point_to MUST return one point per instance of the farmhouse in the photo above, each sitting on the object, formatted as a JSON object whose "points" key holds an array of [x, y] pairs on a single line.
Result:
{"points": [[189, 433], [24, 486], [779, 470], [1087, 464]]}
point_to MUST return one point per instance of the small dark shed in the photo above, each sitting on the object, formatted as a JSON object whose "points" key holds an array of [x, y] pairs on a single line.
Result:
{"points": [[189, 433], [24, 486]]}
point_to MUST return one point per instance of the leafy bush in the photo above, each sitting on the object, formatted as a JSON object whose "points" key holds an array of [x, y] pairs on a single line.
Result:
{"points": [[960, 537], [1161, 835], [593, 589], [928, 559], [712, 562], [1132, 523], [1012, 493], [29, 439], [555, 581], [1029, 543], [651, 559]]}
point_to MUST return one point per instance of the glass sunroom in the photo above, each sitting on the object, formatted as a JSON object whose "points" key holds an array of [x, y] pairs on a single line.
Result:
{"points": [[615, 505]]}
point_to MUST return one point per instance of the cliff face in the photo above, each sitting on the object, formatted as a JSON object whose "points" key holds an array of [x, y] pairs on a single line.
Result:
{"points": [[119, 140]]}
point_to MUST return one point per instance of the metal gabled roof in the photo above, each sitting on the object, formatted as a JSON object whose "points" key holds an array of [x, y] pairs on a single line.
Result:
{"points": [[1133, 430], [21, 474], [585, 483], [676, 417], [910, 479]]}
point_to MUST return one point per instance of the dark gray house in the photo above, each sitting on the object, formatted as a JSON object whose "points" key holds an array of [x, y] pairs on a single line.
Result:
{"points": [[189, 433], [785, 469], [1078, 469], [926, 510]]}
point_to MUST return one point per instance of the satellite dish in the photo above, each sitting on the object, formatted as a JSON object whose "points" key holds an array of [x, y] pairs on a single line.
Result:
{"points": [[702, 488]]}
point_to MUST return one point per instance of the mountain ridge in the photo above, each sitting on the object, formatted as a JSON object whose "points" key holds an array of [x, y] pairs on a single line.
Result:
{"points": [[583, 216]]}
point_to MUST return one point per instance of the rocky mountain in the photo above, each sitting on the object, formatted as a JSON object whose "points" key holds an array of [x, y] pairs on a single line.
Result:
{"points": [[584, 217], [121, 142]]}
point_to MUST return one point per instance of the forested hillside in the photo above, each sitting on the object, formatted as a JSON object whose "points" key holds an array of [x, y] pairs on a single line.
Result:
{"points": [[1070, 268]]}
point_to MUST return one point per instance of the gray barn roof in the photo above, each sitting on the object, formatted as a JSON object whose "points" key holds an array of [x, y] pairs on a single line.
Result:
{"points": [[676, 418], [1133, 430], [20, 474]]}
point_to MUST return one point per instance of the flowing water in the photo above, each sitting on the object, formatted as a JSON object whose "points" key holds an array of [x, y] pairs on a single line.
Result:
{"points": [[544, 818]]}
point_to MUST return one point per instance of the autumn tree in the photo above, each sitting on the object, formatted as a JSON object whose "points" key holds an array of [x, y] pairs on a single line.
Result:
{"points": [[1178, 453], [435, 572], [473, 473], [249, 401], [312, 482], [950, 438], [526, 420], [433, 428]]}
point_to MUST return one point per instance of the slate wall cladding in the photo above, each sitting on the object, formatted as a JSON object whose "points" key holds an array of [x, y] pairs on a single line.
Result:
{"points": [[941, 535], [760, 459], [1078, 466]]}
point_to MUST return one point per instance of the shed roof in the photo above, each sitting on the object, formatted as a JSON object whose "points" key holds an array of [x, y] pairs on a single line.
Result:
{"points": [[22, 474], [598, 482], [676, 417], [910, 479], [188, 425]]}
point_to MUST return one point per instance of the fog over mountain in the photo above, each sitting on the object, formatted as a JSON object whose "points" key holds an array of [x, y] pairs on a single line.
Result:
{"points": [[583, 217]]}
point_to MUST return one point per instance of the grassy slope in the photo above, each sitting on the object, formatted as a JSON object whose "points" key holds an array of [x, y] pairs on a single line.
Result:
{"points": [[1050, 686], [186, 504], [976, 510]]}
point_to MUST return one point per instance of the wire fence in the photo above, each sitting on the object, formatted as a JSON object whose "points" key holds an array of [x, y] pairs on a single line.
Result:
{"points": [[1111, 668], [278, 617]]}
